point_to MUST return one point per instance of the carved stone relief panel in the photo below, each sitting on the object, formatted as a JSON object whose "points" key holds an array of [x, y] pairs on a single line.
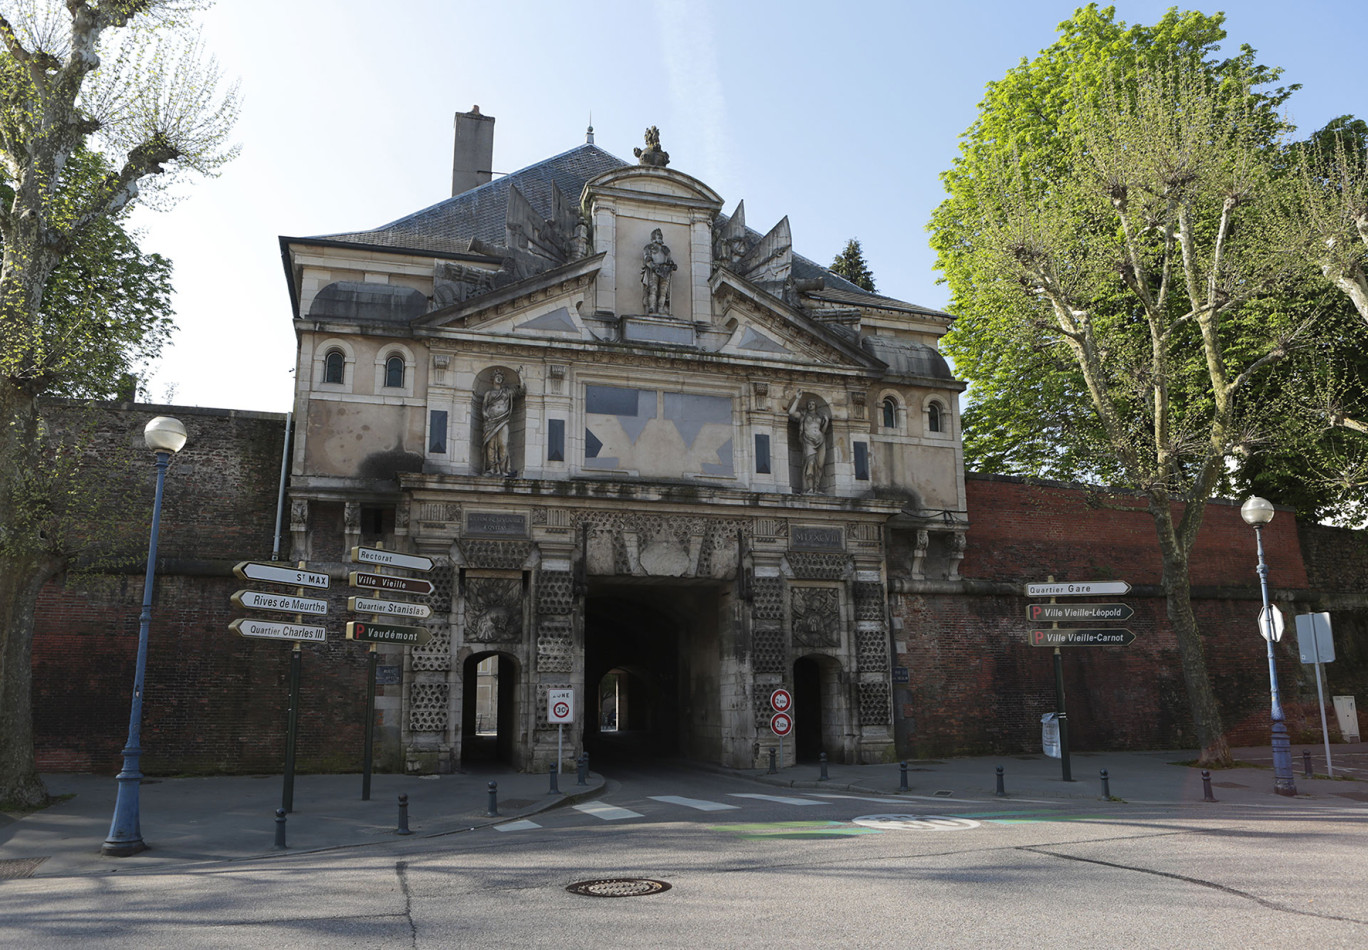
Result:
{"points": [[493, 609], [874, 704], [816, 616], [436, 653], [428, 706]]}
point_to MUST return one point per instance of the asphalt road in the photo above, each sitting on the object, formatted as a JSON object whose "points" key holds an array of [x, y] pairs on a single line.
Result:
{"points": [[750, 865]]}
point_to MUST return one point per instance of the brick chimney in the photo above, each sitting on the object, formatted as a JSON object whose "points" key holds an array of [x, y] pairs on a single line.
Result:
{"points": [[472, 159]]}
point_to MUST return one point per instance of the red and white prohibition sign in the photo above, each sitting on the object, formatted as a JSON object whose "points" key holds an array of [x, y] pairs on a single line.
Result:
{"points": [[780, 700], [781, 724]]}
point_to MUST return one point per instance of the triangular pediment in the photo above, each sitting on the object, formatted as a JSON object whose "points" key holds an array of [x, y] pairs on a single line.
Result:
{"points": [[545, 305], [764, 327]]}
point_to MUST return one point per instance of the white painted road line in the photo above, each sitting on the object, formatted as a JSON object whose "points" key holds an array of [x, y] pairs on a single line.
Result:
{"points": [[696, 803], [607, 812], [781, 799], [523, 825]]}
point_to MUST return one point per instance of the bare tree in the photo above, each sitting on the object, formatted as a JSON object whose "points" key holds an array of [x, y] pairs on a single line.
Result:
{"points": [[99, 101]]}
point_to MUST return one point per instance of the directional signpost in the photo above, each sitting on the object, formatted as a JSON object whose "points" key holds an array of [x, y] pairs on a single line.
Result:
{"points": [[407, 585], [385, 632], [1082, 637], [300, 578], [1078, 589], [1056, 636], [278, 574], [1046, 613], [275, 630]]}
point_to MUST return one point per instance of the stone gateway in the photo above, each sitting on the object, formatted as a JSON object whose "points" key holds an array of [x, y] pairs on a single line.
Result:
{"points": [[657, 457]]}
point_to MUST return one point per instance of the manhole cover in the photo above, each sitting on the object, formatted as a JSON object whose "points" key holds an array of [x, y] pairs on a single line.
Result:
{"points": [[20, 867], [618, 887], [915, 823]]}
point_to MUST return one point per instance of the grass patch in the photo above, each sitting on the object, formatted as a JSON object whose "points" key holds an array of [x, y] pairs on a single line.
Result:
{"points": [[1235, 764]]}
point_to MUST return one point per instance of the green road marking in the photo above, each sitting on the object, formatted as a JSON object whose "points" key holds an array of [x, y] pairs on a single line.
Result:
{"points": [[795, 830]]}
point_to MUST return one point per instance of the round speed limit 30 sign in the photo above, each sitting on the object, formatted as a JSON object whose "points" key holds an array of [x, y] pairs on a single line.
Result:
{"points": [[560, 705]]}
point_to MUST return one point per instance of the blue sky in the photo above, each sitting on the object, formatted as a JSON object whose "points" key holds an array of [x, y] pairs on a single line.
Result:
{"points": [[841, 116]]}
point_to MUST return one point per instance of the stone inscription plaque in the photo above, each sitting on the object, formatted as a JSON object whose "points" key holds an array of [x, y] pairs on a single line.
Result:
{"points": [[811, 538], [496, 524]]}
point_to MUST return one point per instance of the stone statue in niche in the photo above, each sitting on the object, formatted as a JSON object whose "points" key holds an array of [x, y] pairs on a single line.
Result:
{"points": [[813, 422], [657, 267], [652, 154], [816, 616], [496, 413], [493, 609]]}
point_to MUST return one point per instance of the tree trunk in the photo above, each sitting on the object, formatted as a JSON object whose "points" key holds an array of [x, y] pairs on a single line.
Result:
{"points": [[1206, 714], [24, 568], [20, 583]]}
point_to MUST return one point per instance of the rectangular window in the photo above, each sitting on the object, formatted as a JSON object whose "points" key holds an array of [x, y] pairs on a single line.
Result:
{"points": [[437, 431], [555, 440], [762, 458], [862, 461]]}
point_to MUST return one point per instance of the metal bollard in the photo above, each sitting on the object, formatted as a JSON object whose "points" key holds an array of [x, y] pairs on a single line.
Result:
{"points": [[1001, 786], [555, 785], [824, 776], [403, 828], [902, 776], [493, 801], [773, 769], [280, 828], [1106, 784], [1306, 761], [1206, 787], [583, 766]]}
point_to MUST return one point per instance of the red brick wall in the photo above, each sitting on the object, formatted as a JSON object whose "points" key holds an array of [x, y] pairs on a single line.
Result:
{"points": [[977, 686]]}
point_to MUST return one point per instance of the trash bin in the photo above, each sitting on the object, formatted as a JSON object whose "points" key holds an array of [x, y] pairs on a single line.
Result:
{"points": [[1049, 734]]}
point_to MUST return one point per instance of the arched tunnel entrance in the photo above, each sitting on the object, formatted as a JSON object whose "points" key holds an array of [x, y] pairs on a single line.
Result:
{"points": [[651, 671], [489, 717]]}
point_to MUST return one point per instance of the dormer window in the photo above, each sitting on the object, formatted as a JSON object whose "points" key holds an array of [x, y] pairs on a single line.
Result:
{"points": [[394, 372]]}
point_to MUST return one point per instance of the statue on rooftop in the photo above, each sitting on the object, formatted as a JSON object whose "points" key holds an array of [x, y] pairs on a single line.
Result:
{"points": [[652, 154]]}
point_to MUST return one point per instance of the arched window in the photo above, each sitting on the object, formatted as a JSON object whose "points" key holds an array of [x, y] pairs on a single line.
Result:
{"points": [[394, 372], [334, 367], [934, 421], [890, 413]]}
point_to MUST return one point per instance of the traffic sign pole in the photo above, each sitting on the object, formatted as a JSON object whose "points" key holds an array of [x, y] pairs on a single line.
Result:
{"points": [[370, 727]]}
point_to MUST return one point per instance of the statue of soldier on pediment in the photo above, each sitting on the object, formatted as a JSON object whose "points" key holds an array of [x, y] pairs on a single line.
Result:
{"points": [[657, 269]]}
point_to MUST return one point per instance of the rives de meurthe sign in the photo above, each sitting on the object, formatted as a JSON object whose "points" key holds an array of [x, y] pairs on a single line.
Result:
{"points": [[281, 603]]}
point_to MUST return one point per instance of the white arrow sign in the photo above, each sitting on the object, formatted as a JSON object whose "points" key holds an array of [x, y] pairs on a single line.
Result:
{"points": [[1078, 589], [273, 630], [283, 603], [366, 605], [276, 574], [414, 562]]}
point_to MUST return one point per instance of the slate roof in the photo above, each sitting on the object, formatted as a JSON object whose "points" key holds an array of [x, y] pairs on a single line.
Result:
{"points": [[463, 223], [450, 226]]}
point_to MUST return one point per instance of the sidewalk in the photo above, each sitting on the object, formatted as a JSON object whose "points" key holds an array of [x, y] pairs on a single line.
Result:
{"points": [[230, 818], [233, 817]]}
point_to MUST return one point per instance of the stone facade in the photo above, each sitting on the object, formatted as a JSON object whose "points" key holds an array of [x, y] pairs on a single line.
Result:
{"points": [[639, 439]]}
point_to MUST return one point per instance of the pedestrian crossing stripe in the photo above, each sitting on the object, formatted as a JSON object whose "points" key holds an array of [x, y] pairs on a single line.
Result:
{"points": [[697, 804], [793, 830], [607, 812], [523, 825], [781, 799]]}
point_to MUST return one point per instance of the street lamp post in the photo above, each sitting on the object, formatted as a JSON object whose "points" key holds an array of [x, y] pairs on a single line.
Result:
{"points": [[1258, 512], [164, 436]]}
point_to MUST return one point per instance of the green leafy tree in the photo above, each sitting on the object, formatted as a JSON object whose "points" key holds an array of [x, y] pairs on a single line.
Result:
{"points": [[1116, 249], [851, 265], [99, 102]]}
